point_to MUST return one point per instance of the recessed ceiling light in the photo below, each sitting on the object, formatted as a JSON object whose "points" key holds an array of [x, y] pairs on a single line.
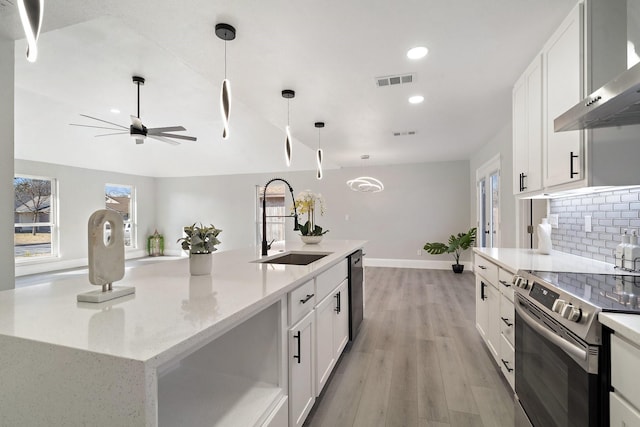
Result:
{"points": [[417, 52], [417, 99], [115, 111]]}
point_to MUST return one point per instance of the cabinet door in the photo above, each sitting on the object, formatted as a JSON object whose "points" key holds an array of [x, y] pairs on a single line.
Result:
{"points": [[493, 328], [622, 414], [341, 319], [507, 319], [563, 157], [527, 129], [482, 306], [301, 355], [325, 352]]}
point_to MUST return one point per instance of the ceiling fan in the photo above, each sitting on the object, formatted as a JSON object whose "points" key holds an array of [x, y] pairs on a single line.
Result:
{"points": [[137, 130]]}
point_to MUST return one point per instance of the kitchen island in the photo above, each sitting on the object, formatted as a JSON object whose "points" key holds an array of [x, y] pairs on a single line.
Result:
{"points": [[211, 347]]}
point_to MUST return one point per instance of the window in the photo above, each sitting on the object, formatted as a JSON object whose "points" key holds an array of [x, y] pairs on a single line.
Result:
{"points": [[121, 198], [34, 217], [276, 213]]}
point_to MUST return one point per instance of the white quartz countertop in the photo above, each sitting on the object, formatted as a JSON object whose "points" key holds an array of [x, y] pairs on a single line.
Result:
{"points": [[171, 310], [514, 259], [627, 325]]}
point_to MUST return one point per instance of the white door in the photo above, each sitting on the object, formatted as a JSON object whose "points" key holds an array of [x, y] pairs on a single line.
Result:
{"points": [[488, 185], [341, 318], [325, 353], [302, 394]]}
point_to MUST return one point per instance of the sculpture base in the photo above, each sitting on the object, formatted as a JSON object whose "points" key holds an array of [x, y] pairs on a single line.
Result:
{"points": [[100, 296]]}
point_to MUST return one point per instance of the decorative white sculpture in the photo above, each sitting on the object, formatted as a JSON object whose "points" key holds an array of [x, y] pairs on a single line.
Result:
{"points": [[106, 257]]}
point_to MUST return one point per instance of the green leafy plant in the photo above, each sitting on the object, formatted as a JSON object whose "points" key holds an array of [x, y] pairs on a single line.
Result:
{"points": [[200, 239], [457, 244]]}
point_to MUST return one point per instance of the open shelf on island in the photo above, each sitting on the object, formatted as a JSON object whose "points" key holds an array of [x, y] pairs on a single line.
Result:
{"points": [[235, 380]]}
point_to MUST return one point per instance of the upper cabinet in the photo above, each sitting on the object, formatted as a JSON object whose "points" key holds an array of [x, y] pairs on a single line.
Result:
{"points": [[527, 130], [562, 59], [585, 52]]}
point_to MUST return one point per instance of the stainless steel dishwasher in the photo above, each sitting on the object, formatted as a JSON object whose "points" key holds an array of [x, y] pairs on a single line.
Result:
{"points": [[356, 294]]}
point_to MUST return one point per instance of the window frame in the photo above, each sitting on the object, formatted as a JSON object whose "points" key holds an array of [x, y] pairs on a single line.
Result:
{"points": [[53, 222], [133, 208]]}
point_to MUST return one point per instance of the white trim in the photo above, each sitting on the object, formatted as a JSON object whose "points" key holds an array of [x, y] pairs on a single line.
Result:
{"points": [[412, 263], [55, 265]]}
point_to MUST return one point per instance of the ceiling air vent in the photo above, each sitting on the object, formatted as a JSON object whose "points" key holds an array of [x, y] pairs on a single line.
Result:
{"points": [[394, 80], [406, 133]]}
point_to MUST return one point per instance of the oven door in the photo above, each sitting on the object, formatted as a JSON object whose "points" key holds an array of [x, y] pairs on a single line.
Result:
{"points": [[553, 383]]}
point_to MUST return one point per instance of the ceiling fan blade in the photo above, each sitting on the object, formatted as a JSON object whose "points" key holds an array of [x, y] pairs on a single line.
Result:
{"points": [[163, 139], [136, 122], [89, 126], [100, 120], [109, 134], [165, 129], [173, 135]]}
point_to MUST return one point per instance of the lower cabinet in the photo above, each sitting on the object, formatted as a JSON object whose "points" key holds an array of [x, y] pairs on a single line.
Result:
{"points": [[495, 317], [332, 332], [625, 398], [302, 394]]}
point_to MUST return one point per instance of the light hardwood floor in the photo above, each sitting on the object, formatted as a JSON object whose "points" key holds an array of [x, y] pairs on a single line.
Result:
{"points": [[418, 360]]}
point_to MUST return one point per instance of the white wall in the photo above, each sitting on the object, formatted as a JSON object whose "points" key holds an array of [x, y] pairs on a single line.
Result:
{"points": [[80, 193], [420, 203], [500, 144], [6, 164]]}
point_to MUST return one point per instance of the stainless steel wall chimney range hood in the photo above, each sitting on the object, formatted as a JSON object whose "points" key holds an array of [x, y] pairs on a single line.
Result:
{"points": [[617, 103]]}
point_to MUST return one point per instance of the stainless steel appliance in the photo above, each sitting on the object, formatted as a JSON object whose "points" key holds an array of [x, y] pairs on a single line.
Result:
{"points": [[356, 293], [561, 374]]}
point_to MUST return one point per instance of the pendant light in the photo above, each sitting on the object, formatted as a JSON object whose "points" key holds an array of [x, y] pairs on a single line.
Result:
{"points": [[31, 18], [365, 184], [319, 125], [288, 94], [226, 32]]}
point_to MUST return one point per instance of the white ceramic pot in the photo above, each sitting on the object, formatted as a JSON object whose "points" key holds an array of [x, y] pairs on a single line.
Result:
{"points": [[200, 264], [311, 240]]}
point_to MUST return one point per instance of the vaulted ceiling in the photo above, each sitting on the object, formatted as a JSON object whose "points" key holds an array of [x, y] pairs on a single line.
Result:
{"points": [[330, 52]]}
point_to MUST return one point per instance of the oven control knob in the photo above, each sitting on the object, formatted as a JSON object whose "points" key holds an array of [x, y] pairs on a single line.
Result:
{"points": [[572, 313], [558, 305]]}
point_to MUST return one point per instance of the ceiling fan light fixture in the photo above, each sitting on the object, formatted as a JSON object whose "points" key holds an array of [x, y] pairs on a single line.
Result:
{"points": [[288, 94], [31, 12], [227, 33], [319, 152]]}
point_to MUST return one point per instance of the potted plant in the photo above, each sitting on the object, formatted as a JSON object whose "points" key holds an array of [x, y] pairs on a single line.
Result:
{"points": [[200, 242], [457, 244], [308, 203]]}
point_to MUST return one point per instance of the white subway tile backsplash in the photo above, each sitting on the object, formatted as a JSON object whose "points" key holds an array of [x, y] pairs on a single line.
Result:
{"points": [[611, 212]]}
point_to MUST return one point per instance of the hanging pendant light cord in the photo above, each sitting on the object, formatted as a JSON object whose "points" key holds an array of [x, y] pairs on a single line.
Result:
{"points": [[225, 59], [138, 84]]}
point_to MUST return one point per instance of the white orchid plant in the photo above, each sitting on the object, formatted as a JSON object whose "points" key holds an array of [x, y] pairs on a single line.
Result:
{"points": [[309, 203]]}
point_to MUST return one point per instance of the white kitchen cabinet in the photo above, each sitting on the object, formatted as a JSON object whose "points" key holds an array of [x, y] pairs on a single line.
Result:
{"points": [[302, 394], [625, 397], [527, 129], [563, 88], [482, 307], [332, 332], [495, 314]]}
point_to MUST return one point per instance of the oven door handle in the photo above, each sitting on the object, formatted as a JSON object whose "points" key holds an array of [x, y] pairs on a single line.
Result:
{"points": [[567, 347]]}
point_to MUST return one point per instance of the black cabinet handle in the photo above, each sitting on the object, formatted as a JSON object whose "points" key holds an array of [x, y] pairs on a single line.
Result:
{"points": [[520, 185], [297, 337], [482, 295], [337, 297], [571, 157], [506, 365], [309, 296], [522, 177], [506, 321], [504, 282]]}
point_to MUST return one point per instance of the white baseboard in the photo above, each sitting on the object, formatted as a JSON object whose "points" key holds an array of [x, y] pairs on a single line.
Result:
{"points": [[45, 266], [412, 263]]}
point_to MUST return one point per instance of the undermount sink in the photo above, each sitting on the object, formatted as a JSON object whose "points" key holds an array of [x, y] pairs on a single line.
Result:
{"points": [[295, 258]]}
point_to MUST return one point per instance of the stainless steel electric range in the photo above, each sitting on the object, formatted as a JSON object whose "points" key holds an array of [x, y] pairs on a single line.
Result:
{"points": [[562, 374]]}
